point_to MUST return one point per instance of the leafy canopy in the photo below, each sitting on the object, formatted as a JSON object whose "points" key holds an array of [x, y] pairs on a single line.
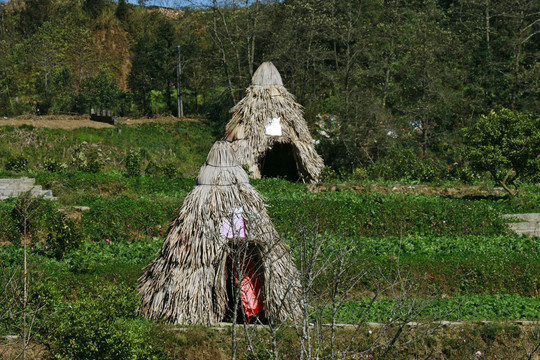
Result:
{"points": [[505, 143]]}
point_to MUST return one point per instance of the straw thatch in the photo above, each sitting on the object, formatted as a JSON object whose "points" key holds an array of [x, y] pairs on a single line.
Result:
{"points": [[267, 99], [187, 282]]}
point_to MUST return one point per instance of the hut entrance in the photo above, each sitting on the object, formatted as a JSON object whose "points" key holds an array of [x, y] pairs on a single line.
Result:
{"points": [[279, 161], [245, 285]]}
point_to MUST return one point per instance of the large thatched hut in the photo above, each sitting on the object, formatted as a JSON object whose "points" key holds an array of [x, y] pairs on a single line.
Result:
{"points": [[269, 133], [194, 277]]}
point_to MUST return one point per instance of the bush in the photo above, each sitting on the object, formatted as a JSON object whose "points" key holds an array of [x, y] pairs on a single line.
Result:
{"points": [[64, 235], [133, 163], [170, 169], [53, 166], [151, 168], [102, 324], [88, 158], [9, 230], [462, 173], [505, 143], [31, 214], [16, 163], [328, 175], [100, 91], [405, 164]]}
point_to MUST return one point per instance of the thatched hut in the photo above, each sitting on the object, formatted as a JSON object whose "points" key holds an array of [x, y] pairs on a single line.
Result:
{"points": [[191, 280], [269, 133]]}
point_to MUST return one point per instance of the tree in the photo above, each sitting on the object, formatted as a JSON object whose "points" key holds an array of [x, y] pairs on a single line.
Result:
{"points": [[506, 144], [34, 14], [154, 66], [101, 91], [94, 8], [122, 11], [141, 79]]}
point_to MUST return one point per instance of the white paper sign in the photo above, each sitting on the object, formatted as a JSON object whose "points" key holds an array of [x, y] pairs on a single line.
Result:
{"points": [[237, 228], [274, 128]]}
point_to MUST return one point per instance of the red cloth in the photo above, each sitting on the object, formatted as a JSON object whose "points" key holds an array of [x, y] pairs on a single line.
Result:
{"points": [[250, 288]]}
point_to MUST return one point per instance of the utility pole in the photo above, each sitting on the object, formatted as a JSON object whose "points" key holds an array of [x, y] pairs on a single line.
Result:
{"points": [[179, 84]]}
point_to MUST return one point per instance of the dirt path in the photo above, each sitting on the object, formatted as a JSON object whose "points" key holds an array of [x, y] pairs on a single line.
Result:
{"points": [[70, 122], [454, 190]]}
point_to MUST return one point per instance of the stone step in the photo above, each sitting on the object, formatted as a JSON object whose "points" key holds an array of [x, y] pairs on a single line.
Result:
{"points": [[531, 233], [17, 186], [33, 190], [524, 225], [528, 226], [15, 181], [532, 217]]}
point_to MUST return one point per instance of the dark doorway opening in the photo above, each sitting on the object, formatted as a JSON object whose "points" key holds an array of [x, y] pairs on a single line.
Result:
{"points": [[245, 285], [279, 161]]}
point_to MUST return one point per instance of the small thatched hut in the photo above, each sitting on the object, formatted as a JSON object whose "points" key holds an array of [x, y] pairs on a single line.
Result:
{"points": [[269, 133], [191, 280]]}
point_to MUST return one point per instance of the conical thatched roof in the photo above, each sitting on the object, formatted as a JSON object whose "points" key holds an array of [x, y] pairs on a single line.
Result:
{"points": [[187, 282], [269, 132]]}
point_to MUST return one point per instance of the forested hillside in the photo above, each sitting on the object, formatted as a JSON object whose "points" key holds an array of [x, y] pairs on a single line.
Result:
{"points": [[376, 77]]}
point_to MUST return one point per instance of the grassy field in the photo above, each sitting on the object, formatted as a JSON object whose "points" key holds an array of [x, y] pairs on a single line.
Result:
{"points": [[409, 257]]}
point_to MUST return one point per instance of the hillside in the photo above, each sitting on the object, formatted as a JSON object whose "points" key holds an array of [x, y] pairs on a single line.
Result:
{"points": [[374, 78]]}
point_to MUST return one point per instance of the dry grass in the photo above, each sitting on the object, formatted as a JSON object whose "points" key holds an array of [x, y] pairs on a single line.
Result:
{"points": [[12, 349], [453, 191], [66, 122], [70, 122]]}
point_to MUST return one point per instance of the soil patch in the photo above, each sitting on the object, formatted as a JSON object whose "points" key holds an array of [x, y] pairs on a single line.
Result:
{"points": [[70, 122], [451, 190], [164, 119]]}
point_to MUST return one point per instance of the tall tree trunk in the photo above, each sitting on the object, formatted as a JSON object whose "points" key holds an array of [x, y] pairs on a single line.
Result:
{"points": [[387, 71]]}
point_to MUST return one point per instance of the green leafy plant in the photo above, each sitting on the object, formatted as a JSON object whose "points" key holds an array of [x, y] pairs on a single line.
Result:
{"points": [[133, 163], [53, 166], [505, 143], [101, 324], [170, 169], [16, 163], [328, 175], [88, 157], [151, 168], [64, 235]]}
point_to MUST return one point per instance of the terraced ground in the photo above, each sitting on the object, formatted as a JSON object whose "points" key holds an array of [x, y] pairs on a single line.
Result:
{"points": [[423, 257]]}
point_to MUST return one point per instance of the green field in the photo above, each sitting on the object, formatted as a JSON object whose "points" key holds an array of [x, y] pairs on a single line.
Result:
{"points": [[420, 257]]}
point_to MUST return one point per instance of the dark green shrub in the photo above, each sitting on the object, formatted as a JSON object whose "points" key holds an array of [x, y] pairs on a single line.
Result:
{"points": [[101, 324], [9, 231], [64, 235], [462, 173], [359, 174], [505, 143], [31, 214], [151, 168], [17, 163], [328, 175], [133, 163], [431, 170], [170, 169], [489, 332], [88, 158], [53, 166], [398, 164]]}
